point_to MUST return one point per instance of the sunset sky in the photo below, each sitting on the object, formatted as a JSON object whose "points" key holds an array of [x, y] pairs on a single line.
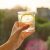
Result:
{"points": [[32, 4]]}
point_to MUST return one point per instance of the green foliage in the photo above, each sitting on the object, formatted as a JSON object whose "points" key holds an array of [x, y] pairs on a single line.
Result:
{"points": [[42, 23], [40, 20], [7, 19]]}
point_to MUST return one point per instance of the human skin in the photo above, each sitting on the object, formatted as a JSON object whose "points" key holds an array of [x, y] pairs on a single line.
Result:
{"points": [[16, 38]]}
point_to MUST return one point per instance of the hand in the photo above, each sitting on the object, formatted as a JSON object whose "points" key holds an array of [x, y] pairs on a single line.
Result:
{"points": [[23, 35], [16, 30]]}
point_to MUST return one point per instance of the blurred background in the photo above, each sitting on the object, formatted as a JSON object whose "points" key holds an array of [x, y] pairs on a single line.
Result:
{"points": [[9, 14]]}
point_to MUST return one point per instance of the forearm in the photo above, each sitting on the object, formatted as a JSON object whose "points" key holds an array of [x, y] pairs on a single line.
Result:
{"points": [[8, 46]]}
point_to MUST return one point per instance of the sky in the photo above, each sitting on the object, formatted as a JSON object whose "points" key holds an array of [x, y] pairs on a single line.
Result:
{"points": [[32, 4]]}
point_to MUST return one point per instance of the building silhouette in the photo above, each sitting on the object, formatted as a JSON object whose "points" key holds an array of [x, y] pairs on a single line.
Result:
{"points": [[43, 12]]}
